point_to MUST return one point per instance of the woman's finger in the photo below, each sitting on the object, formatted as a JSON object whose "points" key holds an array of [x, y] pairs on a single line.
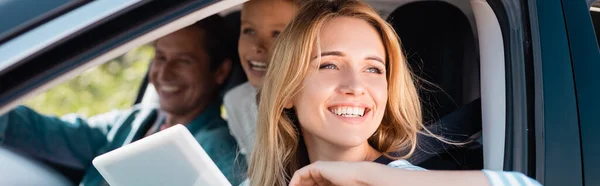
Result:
{"points": [[302, 178], [317, 177], [307, 182]]}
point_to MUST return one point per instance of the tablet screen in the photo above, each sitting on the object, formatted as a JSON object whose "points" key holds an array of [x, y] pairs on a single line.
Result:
{"points": [[170, 157]]}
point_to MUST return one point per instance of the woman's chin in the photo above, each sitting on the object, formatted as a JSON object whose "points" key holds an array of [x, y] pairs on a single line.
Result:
{"points": [[349, 140]]}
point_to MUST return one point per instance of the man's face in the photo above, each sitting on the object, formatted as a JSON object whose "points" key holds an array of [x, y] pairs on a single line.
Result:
{"points": [[181, 72]]}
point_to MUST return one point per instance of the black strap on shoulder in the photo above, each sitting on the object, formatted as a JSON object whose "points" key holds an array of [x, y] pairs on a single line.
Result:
{"points": [[383, 160]]}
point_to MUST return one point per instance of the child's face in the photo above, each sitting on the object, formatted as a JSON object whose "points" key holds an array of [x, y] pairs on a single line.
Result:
{"points": [[343, 102], [261, 23]]}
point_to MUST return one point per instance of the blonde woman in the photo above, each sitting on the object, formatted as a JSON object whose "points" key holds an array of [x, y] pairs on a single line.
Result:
{"points": [[337, 99], [261, 23]]}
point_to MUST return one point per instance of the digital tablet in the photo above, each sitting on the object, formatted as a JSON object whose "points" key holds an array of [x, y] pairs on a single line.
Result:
{"points": [[170, 157]]}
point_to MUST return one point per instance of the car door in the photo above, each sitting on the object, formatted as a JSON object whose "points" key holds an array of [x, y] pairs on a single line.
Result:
{"points": [[565, 57], [585, 59]]}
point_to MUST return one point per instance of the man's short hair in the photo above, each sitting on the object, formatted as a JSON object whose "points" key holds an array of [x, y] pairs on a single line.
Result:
{"points": [[218, 40]]}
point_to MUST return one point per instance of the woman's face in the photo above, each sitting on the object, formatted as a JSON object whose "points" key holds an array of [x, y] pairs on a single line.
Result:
{"points": [[261, 23], [344, 95]]}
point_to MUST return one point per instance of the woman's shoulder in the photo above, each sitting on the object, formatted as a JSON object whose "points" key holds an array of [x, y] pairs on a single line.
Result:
{"points": [[403, 164], [243, 91]]}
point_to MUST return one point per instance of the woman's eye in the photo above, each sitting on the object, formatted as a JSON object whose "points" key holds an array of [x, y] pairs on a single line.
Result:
{"points": [[248, 31], [276, 34], [375, 70], [327, 66]]}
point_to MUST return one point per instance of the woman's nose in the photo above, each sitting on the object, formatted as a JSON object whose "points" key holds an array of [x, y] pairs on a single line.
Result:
{"points": [[260, 46], [258, 49], [351, 84]]}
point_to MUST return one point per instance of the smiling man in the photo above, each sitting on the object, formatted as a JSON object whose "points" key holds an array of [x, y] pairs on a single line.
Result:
{"points": [[188, 71], [188, 79]]}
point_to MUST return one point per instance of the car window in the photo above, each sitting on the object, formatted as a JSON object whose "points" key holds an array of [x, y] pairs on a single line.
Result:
{"points": [[112, 85], [595, 13], [37, 11]]}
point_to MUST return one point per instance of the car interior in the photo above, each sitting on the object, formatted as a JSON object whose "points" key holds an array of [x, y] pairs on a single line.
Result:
{"points": [[441, 50], [441, 42]]}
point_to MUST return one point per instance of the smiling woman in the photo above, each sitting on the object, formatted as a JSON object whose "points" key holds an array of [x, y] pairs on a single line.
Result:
{"points": [[344, 90], [261, 23], [335, 55], [339, 106]]}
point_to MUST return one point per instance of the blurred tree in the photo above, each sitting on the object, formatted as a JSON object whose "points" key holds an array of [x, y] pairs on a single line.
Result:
{"points": [[112, 85]]}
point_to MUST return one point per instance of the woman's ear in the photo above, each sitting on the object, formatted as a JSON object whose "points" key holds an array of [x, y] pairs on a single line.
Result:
{"points": [[288, 105]]}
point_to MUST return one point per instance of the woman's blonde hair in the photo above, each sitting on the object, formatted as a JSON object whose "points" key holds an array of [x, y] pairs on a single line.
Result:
{"points": [[276, 155]]}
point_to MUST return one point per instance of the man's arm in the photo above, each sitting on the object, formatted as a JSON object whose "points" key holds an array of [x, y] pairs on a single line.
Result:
{"points": [[222, 149], [70, 140]]}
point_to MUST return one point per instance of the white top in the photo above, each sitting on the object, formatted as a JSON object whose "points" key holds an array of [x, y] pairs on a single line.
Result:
{"points": [[242, 113], [496, 178]]}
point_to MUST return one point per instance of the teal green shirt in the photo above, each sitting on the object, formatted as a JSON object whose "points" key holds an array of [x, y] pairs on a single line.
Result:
{"points": [[74, 142]]}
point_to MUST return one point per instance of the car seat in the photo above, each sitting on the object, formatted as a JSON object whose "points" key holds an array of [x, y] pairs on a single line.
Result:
{"points": [[440, 46]]}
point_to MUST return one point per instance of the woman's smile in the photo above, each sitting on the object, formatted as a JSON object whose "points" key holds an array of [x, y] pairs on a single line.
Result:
{"points": [[349, 113]]}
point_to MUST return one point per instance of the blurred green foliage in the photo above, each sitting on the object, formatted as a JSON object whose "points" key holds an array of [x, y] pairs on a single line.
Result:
{"points": [[112, 85]]}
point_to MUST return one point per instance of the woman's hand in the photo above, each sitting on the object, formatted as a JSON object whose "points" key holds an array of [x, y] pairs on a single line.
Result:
{"points": [[324, 173]]}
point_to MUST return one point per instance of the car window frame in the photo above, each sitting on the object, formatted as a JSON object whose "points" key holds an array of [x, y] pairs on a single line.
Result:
{"points": [[39, 19], [58, 30], [514, 22]]}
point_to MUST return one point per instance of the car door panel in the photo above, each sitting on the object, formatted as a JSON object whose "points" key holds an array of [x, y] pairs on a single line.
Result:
{"points": [[558, 144], [585, 58]]}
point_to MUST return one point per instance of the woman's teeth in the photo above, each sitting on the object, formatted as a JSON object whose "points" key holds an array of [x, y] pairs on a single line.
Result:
{"points": [[258, 66], [169, 89], [350, 112]]}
